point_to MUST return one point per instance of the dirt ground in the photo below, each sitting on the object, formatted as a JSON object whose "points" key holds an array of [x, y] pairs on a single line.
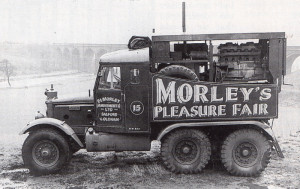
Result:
{"points": [[136, 169], [145, 170]]}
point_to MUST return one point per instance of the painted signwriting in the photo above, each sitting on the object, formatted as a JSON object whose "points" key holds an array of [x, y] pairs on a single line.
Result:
{"points": [[176, 99], [109, 109]]}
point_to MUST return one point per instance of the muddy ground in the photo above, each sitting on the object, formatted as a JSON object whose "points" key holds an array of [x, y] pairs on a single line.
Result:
{"points": [[133, 169], [145, 170]]}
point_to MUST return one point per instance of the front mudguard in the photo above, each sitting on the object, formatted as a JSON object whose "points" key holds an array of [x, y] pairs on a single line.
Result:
{"points": [[54, 123]]}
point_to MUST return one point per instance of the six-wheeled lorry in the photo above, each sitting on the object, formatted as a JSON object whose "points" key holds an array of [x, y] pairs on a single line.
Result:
{"points": [[201, 96]]}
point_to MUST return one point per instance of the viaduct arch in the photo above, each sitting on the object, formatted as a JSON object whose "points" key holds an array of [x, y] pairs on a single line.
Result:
{"points": [[81, 57], [293, 52]]}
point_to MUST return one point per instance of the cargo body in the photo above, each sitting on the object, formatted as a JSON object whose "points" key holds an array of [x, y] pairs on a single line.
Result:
{"points": [[178, 100]]}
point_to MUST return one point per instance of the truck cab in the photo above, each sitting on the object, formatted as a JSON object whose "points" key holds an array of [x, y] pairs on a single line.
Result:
{"points": [[121, 98]]}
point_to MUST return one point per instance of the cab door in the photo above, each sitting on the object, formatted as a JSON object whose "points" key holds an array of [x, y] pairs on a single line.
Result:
{"points": [[109, 103], [136, 93]]}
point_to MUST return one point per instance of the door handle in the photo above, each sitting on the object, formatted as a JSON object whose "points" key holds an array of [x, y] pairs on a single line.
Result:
{"points": [[123, 97]]}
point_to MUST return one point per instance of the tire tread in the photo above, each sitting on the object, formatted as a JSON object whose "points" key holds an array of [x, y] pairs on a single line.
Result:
{"points": [[227, 158], [26, 151], [168, 160], [180, 70]]}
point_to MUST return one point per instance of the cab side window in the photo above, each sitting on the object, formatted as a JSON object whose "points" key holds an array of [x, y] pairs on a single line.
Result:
{"points": [[110, 78]]}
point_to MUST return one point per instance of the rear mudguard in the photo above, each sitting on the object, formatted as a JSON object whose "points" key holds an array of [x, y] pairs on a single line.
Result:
{"points": [[51, 122], [264, 127]]}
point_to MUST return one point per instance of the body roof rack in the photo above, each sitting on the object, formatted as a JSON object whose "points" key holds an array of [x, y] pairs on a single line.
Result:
{"points": [[229, 36]]}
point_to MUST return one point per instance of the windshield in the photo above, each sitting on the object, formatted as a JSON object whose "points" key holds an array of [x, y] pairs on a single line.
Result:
{"points": [[110, 78]]}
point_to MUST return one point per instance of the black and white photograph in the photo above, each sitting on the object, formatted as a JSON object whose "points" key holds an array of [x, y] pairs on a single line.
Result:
{"points": [[121, 94]]}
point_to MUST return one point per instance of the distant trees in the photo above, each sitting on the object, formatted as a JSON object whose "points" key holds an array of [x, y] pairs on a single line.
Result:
{"points": [[7, 68]]}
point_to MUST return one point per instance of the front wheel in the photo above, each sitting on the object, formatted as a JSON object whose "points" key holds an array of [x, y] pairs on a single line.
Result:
{"points": [[45, 151], [186, 151], [245, 152]]}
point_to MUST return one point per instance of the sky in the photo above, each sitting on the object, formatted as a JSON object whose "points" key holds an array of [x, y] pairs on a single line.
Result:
{"points": [[115, 21]]}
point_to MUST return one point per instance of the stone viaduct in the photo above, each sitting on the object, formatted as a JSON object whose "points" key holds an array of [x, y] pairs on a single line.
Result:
{"points": [[82, 57], [292, 53], [85, 57]]}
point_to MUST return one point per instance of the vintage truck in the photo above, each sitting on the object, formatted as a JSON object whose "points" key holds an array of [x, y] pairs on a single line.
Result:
{"points": [[201, 96]]}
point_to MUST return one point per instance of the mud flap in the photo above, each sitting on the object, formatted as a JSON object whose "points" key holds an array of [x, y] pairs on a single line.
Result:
{"points": [[277, 147]]}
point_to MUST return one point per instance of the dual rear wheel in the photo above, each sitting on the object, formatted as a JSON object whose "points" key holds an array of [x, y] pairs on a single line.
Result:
{"points": [[244, 152]]}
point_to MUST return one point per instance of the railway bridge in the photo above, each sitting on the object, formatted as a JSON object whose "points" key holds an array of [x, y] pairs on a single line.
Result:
{"points": [[85, 57], [82, 57]]}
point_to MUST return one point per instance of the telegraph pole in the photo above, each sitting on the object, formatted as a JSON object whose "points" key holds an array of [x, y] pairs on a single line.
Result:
{"points": [[183, 17]]}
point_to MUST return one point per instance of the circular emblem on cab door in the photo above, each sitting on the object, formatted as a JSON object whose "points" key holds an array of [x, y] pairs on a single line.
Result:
{"points": [[136, 107]]}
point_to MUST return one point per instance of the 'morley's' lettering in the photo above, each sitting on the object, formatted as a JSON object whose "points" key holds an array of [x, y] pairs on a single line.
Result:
{"points": [[198, 93]]}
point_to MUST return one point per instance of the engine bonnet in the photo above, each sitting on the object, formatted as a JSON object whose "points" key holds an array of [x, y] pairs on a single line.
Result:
{"points": [[73, 100]]}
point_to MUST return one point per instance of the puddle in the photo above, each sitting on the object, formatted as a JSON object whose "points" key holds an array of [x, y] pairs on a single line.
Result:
{"points": [[7, 183], [14, 171], [257, 186]]}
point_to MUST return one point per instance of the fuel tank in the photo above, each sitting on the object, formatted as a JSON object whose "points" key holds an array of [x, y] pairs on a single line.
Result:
{"points": [[97, 142]]}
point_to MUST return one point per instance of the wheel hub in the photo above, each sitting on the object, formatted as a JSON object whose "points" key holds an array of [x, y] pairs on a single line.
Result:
{"points": [[45, 153], [245, 154], [186, 151]]}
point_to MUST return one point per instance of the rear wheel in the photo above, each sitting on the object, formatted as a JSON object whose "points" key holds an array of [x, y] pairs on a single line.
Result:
{"points": [[245, 152], [186, 151], [45, 151]]}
